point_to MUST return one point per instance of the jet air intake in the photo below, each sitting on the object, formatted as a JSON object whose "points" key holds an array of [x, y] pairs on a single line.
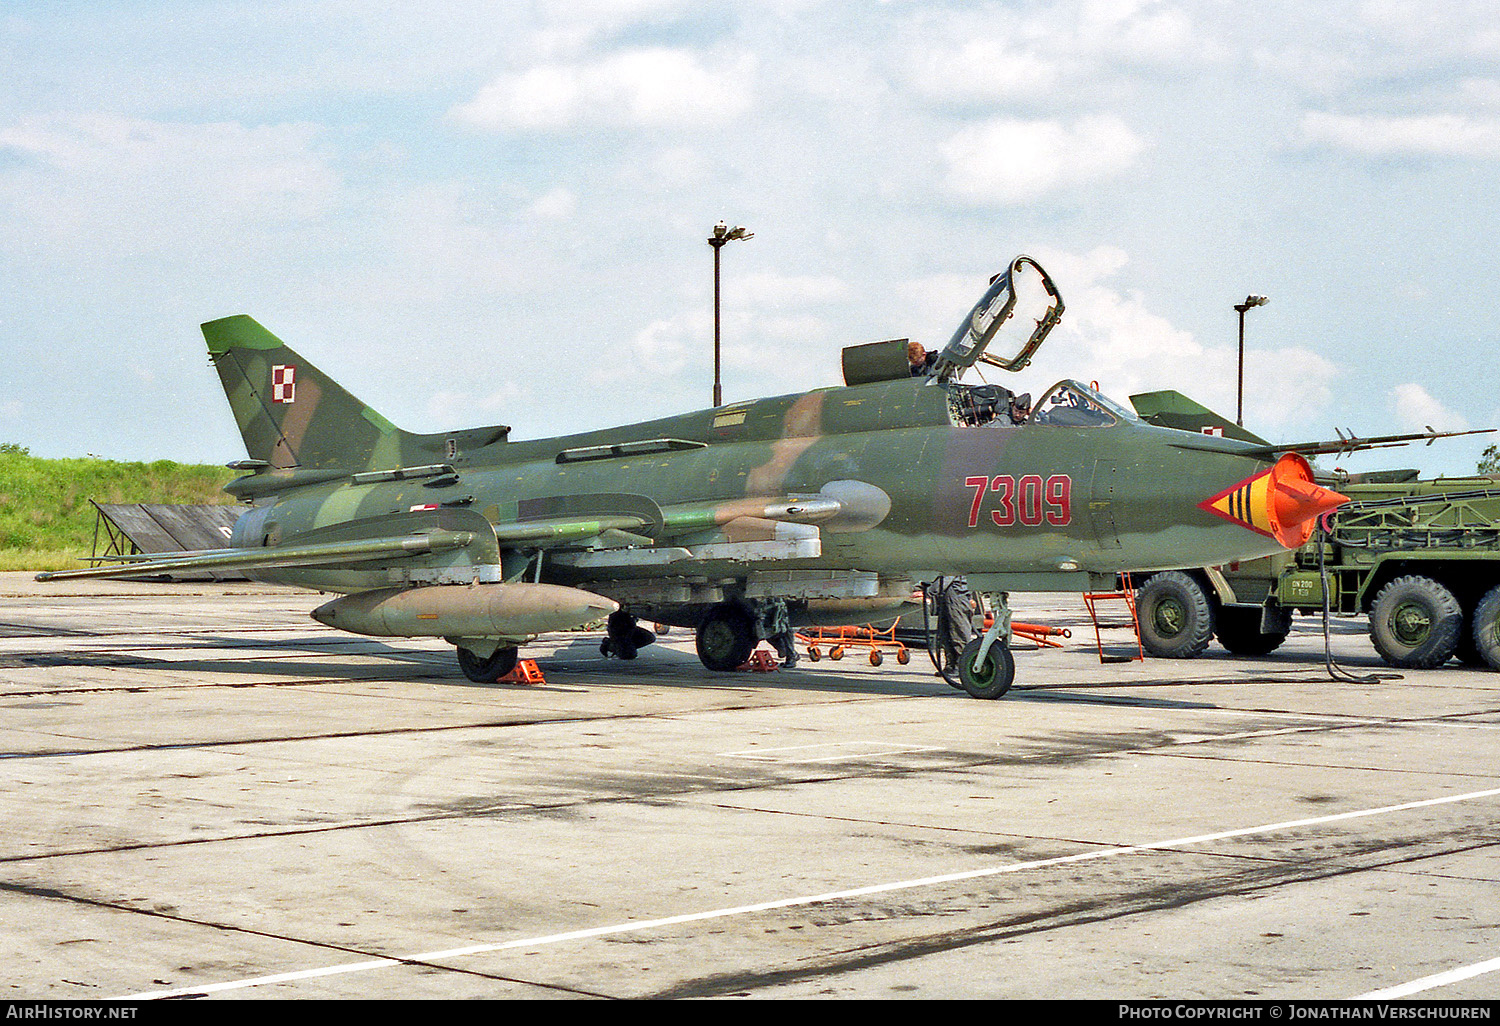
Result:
{"points": [[510, 611], [1281, 501]]}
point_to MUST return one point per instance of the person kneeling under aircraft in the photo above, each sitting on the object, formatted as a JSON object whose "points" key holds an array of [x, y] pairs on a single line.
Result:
{"points": [[623, 636]]}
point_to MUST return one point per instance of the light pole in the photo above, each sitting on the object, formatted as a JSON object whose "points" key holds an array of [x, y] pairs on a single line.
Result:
{"points": [[1239, 410], [722, 234]]}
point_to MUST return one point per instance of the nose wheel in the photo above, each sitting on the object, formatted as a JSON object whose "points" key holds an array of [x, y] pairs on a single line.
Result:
{"points": [[989, 675]]}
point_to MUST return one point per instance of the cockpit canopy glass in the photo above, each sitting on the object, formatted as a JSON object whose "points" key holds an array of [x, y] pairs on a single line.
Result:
{"points": [[1073, 404], [1008, 323]]}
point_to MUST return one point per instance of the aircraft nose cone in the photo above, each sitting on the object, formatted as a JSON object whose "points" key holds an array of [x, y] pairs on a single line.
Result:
{"points": [[1296, 506], [1282, 501]]}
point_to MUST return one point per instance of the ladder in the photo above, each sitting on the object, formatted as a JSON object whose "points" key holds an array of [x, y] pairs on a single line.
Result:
{"points": [[1126, 594]]}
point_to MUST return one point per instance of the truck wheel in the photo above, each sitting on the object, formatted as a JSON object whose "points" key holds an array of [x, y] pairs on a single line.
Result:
{"points": [[1487, 627], [1414, 623], [725, 639], [1238, 630], [1175, 616], [1467, 652]]}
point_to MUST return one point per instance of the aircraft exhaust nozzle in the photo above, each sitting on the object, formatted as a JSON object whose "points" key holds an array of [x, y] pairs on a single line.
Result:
{"points": [[512, 611], [1282, 501]]}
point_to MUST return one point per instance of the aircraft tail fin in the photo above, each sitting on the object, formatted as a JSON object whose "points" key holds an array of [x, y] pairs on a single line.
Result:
{"points": [[290, 413], [1172, 409]]}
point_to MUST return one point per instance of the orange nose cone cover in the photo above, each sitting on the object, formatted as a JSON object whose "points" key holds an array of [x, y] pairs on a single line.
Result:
{"points": [[1282, 501]]}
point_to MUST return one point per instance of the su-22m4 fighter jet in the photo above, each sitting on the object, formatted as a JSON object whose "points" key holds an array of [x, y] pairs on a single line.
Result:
{"points": [[741, 521]]}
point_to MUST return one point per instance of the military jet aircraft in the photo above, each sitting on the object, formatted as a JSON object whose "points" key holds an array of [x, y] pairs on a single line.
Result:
{"points": [[741, 521]]}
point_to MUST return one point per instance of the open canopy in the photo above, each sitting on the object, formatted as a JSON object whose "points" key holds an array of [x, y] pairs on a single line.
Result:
{"points": [[1014, 315]]}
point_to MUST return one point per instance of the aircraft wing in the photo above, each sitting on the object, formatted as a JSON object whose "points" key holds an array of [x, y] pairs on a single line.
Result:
{"points": [[637, 522], [317, 554]]}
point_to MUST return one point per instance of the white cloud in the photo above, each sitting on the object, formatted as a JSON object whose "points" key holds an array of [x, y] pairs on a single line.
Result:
{"points": [[654, 87], [781, 290], [968, 55], [1417, 410], [664, 348], [570, 26], [982, 69], [1008, 161], [459, 409], [1145, 31], [556, 205], [1432, 31], [1116, 338], [1434, 134], [136, 185]]}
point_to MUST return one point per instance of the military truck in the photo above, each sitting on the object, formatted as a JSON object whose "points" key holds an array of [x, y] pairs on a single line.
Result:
{"points": [[1420, 558]]}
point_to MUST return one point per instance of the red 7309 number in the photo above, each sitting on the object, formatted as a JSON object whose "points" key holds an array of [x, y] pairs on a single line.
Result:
{"points": [[1028, 501]]}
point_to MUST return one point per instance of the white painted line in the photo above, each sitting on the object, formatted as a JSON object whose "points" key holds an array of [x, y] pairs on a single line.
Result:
{"points": [[814, 899], [1429, 982]]}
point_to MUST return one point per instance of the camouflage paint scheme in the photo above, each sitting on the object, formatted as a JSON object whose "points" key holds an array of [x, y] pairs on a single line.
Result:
{"points": [[825, 506]]}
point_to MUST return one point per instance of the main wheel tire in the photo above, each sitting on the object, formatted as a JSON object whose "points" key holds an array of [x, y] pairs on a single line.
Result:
{"points": [[1487, 628], [1414, 623], [483, 670], [1238, 630], [1175, 616], [991, 679], [725, 638]]}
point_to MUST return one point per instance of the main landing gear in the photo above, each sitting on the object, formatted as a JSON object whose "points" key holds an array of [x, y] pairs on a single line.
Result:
{"points": [[487, 669], [729, 632]]}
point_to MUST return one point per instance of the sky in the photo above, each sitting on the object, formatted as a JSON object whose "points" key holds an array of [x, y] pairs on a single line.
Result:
{"points": [[476, 213]]}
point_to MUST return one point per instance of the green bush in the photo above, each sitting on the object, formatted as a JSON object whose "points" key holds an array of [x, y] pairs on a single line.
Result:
{"points": [[46, 520]]}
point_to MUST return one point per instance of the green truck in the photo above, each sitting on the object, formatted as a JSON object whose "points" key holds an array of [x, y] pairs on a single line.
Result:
{"points": [[1420, 558]]}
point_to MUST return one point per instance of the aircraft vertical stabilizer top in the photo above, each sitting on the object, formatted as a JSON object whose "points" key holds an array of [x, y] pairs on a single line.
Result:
{"points": [[743, 521]]}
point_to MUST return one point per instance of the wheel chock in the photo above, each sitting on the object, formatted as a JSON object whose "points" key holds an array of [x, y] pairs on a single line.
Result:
{"points": [[761, 661], [526, 672]]}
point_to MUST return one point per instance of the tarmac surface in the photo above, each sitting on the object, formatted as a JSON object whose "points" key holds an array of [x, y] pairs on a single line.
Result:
{"points": [[204, 792]]}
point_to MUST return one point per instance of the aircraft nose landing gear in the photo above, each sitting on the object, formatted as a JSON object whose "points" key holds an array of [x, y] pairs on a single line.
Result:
{"points": [[986, 672], [967, 654]]}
